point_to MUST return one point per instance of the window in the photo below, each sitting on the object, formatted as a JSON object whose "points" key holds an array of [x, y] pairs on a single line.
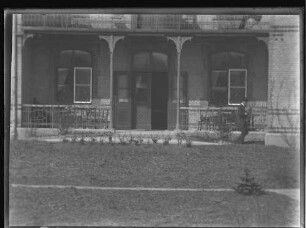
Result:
{"points": [[122, 87], [82, 84], [64, 85], [219, 87], [228, 78], [237, 86], [74, 77], [142, 81]]}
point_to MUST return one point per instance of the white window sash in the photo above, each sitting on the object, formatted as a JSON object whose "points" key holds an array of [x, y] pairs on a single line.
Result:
{"points": [[82, 85], [236, 87]]}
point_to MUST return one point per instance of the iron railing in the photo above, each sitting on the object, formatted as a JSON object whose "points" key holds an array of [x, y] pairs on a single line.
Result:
{"points": [[138, 22], [184, 119], [214, 119], [89, 117], [64, 116]]}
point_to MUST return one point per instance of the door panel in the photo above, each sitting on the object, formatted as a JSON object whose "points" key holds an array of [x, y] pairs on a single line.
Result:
{"points": [[122, 100], [159, 101], [142, 100]]}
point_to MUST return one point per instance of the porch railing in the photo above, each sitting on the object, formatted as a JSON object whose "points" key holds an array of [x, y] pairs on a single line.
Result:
{"points": [[214, 119], [132, 22], [89, 117], [184, 119], [64, 117]]}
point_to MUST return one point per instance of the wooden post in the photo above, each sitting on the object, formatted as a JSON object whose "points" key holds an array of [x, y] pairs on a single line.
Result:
{"points": [[179, 42], [13, 115], [19, 41], [178, 86], [111, 40]]}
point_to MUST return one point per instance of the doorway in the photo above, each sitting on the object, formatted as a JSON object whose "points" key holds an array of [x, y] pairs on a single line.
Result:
{"points": [[150, 100], [159, 101]]}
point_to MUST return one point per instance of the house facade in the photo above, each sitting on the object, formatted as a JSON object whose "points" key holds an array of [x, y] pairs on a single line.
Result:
{"points": [[121, 71]]}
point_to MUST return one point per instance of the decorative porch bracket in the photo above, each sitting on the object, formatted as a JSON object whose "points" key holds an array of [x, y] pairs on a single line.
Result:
{"points": [[179, 42], [111, 40], [25, 37]]}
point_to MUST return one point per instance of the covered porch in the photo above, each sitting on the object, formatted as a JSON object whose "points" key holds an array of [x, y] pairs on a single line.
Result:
{"points": [[114, 80]]}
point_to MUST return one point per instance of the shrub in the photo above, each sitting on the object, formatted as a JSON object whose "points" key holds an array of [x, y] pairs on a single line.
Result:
{"points": [[82, 140], [122, 139], [180, 137], [138, 140], [101, 140], [74, 138], [154, 138], [131, 140], [109, 135], [148, 141], [224, 133], [93, 139], [189, 142], [166, 140], [248, 185]]}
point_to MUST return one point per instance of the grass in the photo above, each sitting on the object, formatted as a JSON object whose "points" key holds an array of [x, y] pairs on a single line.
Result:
{"points": [[151, 166], [91, 207], [93, 164]]}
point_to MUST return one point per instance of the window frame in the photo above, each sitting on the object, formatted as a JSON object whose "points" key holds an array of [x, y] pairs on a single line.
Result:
{"points": [[245, 87], [117, 74], [56, 87], [74, 85], [227, 70]]}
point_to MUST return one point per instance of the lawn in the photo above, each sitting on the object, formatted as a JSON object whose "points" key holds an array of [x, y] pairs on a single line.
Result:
{"points": [[34, 162], [93, 164], [129, 208]]}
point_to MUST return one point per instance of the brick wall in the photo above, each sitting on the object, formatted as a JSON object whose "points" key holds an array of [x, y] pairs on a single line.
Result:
{"points": [[103, 69], [38, 75], [284, 72], [192, 63]]}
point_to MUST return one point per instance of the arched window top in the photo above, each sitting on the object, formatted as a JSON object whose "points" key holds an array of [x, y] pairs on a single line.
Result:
{"points": [[154, 61], [141, 61], [159, 61], [82, 58], [74, 58], [225, 60], [66, 58]]}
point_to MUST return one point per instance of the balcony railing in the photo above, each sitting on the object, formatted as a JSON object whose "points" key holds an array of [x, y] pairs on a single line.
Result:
{"points": [[64, 117], [124, 22]]}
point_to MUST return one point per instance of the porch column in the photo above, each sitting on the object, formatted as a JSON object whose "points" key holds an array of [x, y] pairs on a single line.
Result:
{"points": [[18, 45], [179, 42], [111, 40]]}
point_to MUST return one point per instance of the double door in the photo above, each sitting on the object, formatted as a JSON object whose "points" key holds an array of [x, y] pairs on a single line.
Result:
{"points": [[141, 100]]}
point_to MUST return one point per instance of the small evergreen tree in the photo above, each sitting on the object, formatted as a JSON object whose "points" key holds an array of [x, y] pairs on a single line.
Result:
{"points": [[248, 185]]}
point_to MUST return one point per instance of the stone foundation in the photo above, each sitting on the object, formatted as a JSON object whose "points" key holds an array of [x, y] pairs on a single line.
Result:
{"points": [[282, 140]]}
